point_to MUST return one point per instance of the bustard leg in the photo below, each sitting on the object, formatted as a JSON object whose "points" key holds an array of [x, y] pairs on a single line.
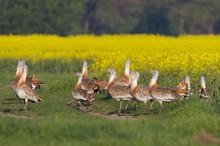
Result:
{"points": [[126, 107], [145, 107], [151, 105], [17, 99], [136, 105], [69, 102], [80, 105], [161, 106], [25, 104], [119, 111]]}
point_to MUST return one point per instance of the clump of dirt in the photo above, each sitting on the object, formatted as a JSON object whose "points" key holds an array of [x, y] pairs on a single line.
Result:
{"points": [[206, 138]]}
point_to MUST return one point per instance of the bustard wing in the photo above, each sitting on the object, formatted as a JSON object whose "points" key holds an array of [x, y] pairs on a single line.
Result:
{"points": [[30, 94], [164, 94]]}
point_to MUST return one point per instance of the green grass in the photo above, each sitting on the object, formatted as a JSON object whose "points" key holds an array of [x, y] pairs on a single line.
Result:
{"points": [[53, 122]]}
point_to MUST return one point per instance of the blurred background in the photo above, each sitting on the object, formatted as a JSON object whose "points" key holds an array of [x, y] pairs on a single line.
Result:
{"points": [[69, 17]]}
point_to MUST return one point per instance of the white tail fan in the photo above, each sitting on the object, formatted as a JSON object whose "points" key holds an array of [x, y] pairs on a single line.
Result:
{"points": [[202, 81]]}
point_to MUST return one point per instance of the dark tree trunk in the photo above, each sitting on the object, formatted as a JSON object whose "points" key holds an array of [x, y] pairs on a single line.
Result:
{"points": [[181, 25]]}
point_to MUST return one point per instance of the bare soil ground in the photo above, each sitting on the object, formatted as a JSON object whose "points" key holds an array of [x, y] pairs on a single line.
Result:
{"points": [[206, 138]]}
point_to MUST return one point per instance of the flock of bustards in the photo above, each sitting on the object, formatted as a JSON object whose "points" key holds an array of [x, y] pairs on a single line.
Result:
{"points": [[121, 88]]}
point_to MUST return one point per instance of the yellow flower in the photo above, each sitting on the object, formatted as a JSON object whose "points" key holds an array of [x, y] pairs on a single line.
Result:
{"points": [[179, 55]]}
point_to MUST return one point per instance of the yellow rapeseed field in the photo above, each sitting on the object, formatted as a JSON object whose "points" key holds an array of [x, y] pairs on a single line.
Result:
{"points": [[181, 55]]}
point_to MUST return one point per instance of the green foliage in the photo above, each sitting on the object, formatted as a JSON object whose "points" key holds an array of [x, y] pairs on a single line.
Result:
{"points": [[52, 16], [46, 66], [65, 17]]}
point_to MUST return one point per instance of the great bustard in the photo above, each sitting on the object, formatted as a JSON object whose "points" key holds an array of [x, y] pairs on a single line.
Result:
{"points": [[86, 83], [80, 94], [163, 94], [140, 92], [118, 92], [24, 91]]}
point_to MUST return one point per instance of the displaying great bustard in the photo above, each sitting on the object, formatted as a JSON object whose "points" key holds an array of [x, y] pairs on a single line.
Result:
{"points": [[140, 92], [164, 94], [80, 94], [118, 92], [24, 91]]}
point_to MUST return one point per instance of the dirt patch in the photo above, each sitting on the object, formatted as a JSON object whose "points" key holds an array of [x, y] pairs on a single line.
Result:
{"points": [[113, 116], [13, 116], [206, 138]]}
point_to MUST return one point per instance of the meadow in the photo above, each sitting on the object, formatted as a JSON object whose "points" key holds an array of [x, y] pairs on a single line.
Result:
{"points": [[55, 60]]}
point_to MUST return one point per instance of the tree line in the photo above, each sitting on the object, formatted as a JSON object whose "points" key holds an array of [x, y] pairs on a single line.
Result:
{"points": [[67, 17]]}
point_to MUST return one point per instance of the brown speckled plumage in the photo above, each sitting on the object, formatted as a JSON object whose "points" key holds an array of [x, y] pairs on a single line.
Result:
{"points": [[165, 94], [102, 85], [88, 84], [33, 82], [82, 95]]}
